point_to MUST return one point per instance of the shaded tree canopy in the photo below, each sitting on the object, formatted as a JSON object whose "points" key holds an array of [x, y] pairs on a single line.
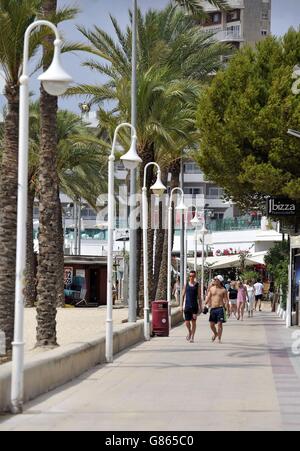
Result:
{"points": [[243, 118]]}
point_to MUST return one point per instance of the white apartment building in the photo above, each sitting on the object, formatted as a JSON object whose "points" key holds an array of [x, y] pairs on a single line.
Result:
{"points": [[247, 21]]}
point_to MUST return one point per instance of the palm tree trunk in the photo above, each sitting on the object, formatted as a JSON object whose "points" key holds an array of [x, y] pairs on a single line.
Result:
{"points": [[161, 292], [48, 183], [175, 169], [147, 155], [8, 214], [161, 233], [30, 291], [60, 255]]}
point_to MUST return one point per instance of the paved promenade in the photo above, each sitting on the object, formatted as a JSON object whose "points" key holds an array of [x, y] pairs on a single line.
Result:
{"points": [[250, 382]]}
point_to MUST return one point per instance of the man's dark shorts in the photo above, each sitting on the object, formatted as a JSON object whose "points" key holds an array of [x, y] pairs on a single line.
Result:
{"points": [[258, 297], [188, 314], [217, 315]]}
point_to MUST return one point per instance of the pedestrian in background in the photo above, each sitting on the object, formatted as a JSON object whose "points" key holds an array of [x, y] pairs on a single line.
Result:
{"points": [[217, 300], [241, 300], [191, 305], [259, 290], [227, 284], [232, 294], [250, 297]]}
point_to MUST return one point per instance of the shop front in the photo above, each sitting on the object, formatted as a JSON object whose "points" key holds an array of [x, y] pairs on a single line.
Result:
{"points": [[293, 307], [85, 280]]}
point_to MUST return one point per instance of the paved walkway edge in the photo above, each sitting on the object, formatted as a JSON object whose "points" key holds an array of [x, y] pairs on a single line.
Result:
{"points": [[50, 369]]}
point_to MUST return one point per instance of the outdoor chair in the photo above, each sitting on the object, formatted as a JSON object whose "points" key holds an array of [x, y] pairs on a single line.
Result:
{"points": [[82, 300]]}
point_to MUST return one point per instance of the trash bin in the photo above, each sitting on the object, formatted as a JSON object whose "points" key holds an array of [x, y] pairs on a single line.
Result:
{"points": [[160, 318]]}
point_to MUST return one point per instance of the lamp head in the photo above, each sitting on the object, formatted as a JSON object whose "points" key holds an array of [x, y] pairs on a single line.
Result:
{"points": [[204, 230], [181, 206], [56, 80], [131, 160], [195, 221], [158, 188]]}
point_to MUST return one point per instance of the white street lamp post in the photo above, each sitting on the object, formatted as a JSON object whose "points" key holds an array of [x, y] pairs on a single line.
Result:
{"points": [[55, 81], [158, 189], [195, 222], [132, 300], [181, 207], [131, 160], [203, 232], [186, 250]]}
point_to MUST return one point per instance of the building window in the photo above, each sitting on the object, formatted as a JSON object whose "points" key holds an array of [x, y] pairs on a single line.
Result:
{"points": [[213, 19], [192, 168], [264, 33], [215, 193], [265, 15], [216, 18], [88, 213], [233, 16], [218, 216], [193, 191]]}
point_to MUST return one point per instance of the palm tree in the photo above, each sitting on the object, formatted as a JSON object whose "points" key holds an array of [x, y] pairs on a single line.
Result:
{"points": [[195, 8], [80, 173], [49, 277], [15, 17], [174, 56]]}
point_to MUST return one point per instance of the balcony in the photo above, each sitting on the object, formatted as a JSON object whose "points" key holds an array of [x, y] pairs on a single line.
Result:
{"points": [[229, 34], [194, 178], [230, 37]]}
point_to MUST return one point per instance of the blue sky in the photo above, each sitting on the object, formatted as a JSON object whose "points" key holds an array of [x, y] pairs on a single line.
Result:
{"points": [[285, 13]]}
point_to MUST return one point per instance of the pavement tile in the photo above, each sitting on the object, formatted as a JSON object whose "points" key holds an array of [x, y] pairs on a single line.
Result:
{"points": [[247, 383]]}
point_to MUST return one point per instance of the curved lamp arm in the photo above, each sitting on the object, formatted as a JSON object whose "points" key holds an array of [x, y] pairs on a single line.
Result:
{"points": [[145, 171], [28, 32], [177, 188], [125, 124]]}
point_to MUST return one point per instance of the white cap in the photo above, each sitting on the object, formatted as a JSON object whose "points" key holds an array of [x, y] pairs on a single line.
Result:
{"points": [[221, 279]]}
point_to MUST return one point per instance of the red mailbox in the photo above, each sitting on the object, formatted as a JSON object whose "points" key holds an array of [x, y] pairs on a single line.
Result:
{"points": [[160, 318]]}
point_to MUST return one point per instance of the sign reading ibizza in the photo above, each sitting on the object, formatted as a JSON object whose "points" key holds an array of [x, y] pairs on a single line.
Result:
{"points": [[281, 207]]}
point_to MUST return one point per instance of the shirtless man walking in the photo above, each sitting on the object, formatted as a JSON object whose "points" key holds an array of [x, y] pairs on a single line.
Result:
{"points": [[217, 300]]}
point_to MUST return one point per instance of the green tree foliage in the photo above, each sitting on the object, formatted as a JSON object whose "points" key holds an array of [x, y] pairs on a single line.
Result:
{"points": [[249, 275], [81, 156], [277, 262], [175, 58], [194, 6], [243, 119]]}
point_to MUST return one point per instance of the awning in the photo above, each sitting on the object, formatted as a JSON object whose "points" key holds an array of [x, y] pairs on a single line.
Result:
{"points": [[258, 258], [229, 261]]}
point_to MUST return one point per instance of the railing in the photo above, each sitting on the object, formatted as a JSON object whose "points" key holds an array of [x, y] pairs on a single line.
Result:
{"points": [[231, 33], [214, 225], [222, 225], [227, 225]]}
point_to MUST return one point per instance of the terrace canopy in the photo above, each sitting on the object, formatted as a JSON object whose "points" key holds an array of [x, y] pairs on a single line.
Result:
{"points": [[229, 261]]}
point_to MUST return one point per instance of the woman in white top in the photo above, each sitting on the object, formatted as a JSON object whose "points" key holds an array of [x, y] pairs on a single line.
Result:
{"points": [[250, 297]]}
